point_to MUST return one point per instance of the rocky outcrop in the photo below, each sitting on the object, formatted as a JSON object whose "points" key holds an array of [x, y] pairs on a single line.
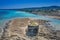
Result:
{"points": [[17, 29]]}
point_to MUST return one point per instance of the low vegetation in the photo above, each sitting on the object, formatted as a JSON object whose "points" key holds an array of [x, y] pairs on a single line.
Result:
{"points": [[51, 10]]}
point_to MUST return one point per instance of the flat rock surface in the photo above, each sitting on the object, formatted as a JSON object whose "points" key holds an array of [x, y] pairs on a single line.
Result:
{"points": [[16, 29]]}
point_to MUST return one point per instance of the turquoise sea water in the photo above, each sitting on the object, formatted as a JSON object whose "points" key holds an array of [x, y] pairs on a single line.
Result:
{"points": [[9, 14]]}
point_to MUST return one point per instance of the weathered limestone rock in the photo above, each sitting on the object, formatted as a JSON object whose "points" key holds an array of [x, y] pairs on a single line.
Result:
{"points": [[17, 29]]}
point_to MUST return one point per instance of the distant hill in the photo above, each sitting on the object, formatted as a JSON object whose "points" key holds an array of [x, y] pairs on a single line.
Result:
{"points": [[50, 10], [48, 7]]}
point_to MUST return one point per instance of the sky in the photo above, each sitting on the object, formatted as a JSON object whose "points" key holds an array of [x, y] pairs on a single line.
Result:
{"points": [[16, 4]]}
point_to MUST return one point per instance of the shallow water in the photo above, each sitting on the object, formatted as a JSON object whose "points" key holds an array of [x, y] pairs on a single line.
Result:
{"points": [[8, 14]]}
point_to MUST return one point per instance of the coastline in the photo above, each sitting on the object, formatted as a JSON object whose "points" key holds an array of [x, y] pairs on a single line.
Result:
{"points": [[54, 17]]}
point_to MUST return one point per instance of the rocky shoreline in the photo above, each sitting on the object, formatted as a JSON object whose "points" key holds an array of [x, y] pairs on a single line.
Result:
{"points": [[16, 30]]}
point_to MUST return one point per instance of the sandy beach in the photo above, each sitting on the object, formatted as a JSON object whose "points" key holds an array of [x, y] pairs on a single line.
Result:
{"points": [[55, 17]]}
